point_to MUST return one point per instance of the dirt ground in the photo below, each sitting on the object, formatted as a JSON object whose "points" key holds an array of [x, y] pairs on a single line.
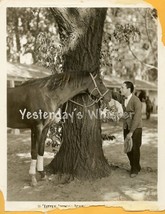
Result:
{"points": [[117, 187]]}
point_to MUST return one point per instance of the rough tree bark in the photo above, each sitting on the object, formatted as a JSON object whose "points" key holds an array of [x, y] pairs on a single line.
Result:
{"points": [[81, 154]]}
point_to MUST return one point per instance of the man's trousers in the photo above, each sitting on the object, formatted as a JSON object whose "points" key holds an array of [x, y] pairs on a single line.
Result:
{"points": [[134, 154]]}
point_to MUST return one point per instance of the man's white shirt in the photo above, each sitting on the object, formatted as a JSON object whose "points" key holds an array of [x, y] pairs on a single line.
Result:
{"points": [[127, 100]]}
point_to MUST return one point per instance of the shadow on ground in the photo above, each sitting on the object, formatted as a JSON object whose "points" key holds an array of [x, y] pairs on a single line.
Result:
{"points": [[117, 187]]}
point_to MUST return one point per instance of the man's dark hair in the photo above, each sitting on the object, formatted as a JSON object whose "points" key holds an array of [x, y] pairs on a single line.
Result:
{"points": [[129, 85]]}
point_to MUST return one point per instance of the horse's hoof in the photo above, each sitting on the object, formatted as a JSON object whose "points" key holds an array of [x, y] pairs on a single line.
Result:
{"points": [[34, 182], [44, 178], [43, 175]]}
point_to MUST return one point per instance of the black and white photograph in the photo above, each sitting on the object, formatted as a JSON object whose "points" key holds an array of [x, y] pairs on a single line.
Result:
{"points": [[81, 105]]}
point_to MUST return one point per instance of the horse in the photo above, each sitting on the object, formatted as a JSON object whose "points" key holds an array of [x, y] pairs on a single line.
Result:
{"points": [[29, 105]]}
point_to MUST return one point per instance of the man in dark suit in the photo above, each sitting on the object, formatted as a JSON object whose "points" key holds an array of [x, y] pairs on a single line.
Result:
{"points": [[132, 123]]}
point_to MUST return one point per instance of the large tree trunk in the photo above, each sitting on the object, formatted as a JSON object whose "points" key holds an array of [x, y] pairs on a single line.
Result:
{"points": [[81, 153]]}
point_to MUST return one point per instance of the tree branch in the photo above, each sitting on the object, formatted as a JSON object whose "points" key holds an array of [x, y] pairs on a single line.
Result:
{"points": [[72, 25], [150, 66], [146, 27], [61, 19]]}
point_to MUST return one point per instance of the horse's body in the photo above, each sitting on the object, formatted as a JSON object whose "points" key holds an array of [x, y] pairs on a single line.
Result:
{"points": [[44, 95]]}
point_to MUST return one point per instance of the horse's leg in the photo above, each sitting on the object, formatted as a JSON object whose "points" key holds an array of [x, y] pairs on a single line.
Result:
{"points": [[32, 170], [41, 148]]}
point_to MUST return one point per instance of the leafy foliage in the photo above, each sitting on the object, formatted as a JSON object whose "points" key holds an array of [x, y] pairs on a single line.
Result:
{"points": [[129, 47], [126, 32], [49, 51], [32, 30]]}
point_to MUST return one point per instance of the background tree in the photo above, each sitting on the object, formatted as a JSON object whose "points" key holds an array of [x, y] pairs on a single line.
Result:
{"points": [[130, 43], [23, 28], [129, 46]]}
